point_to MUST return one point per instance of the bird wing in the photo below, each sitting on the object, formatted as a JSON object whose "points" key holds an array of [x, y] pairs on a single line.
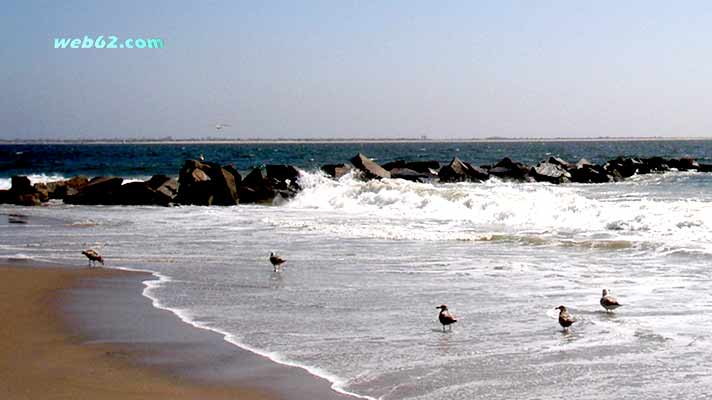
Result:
{"points": [[610, 301], [448, 316], [565, 316]]}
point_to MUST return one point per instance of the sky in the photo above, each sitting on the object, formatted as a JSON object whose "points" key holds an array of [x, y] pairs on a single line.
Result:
{"points": [[358, 69]]}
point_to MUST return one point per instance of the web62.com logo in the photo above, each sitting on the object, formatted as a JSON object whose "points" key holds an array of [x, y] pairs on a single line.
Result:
{"points": [[110, 42]]}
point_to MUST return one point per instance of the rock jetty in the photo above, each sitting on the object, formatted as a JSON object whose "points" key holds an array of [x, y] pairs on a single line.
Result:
{"points": [[204, 183]]}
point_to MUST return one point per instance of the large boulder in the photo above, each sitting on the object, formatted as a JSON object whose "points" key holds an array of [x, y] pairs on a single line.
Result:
{"points": [[425, 167], [165, 186], [368, 168], [22, 193], [623, 167], [256, 188], [205, 184], [656, 164], [336, 170], [70, 187], [705, 168], [284, 178], [412, 175], [21, 185], [588, 173], [42, 190], [550, 172], [160, 190], [460, 171], [100, 190], [394, 164], [684, 164], [510, 170]]}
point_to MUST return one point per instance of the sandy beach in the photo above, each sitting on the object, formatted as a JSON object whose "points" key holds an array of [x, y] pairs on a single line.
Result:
{"points": [[79, 333]]}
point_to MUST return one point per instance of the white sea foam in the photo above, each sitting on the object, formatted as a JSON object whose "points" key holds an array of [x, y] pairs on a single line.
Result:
{"points": [[391, 208], [6, 183]]}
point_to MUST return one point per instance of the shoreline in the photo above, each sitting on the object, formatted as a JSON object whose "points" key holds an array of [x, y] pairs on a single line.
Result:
{"points": [[97, 323]]}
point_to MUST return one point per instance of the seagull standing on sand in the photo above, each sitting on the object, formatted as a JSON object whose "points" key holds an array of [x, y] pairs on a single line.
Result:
{"points": [[93, 257], [276, 261], [446, 317], [609, 302], [565, 319]]}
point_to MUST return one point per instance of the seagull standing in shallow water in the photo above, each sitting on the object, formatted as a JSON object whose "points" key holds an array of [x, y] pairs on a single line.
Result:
{"points": [[565, 319], [445, 316], [276, 261], [609, 302], [93, 257]]}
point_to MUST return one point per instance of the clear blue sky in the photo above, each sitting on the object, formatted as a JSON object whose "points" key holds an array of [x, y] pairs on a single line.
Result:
{"points": [[337, 69]]}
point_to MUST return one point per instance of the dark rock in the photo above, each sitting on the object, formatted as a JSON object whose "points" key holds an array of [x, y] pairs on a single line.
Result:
{"points": [[705, 168], [624, 167], [460, 171], [100, 190], [656, 164], [684, 164], [411, 175], [588, 173], [235, 174], [207, 183], [336, 170], [560, 162], [136, 193], [508, 169], [394, 164], [425, 167], [256, 188], [21, 185], [157, 181], [167, 190], [27, 199], [70, 187], [550, 172], [284, 178], [160, 190], [5, 196], [23, 193], [370, 169], [42, 191], [77, 182], [223, 187]]}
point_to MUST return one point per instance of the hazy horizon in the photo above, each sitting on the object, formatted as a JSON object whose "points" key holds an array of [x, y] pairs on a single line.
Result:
{"points": [[350, 69]]}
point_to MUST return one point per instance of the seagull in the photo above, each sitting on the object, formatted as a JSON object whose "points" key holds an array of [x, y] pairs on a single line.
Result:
{"points": [[609, 302], [445, 316], [220, 126], [276, 261], [565, 319], [93, 257]]}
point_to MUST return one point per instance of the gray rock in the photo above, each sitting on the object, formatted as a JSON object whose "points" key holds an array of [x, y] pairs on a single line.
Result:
{"points": [[368, 168]]}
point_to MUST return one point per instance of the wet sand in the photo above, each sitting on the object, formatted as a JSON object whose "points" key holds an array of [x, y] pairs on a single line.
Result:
{"points": [[80, 333]]}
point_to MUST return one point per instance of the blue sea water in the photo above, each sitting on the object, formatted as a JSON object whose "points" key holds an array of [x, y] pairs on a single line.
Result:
{"points": [[131, 160], [368, 262]]}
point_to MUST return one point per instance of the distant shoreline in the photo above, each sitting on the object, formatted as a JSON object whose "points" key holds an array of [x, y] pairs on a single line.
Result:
{"points": [[345, 141]]}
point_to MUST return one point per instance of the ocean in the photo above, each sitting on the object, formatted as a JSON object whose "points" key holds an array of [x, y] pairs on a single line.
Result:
{"points": [[368, 262]]}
